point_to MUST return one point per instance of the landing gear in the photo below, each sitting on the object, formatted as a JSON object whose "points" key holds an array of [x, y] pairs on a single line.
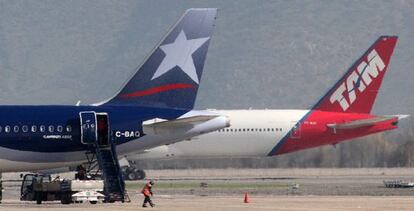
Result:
{"points": [[141, 174], [131, 173]]}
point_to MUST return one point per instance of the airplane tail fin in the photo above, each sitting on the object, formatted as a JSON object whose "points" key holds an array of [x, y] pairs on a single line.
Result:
{"points": [[170, 75], [356, 91]]}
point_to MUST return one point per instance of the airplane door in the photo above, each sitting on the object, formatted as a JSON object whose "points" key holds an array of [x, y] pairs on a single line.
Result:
{"points": [[89, 132], [295, 132], [103, 129]]}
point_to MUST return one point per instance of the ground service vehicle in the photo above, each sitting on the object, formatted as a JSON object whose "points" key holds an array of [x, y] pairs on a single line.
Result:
{"points": [[38, 187]]}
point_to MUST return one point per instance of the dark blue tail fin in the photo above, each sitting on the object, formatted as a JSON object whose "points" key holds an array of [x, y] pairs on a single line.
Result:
{"points": [[170, 76]]}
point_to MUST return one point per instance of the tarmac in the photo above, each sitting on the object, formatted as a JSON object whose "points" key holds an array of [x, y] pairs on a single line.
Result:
{"points": [[268, 189], [190, 203]]}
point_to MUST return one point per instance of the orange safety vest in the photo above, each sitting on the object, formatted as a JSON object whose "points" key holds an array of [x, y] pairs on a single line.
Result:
{"points": [[146, 190]]}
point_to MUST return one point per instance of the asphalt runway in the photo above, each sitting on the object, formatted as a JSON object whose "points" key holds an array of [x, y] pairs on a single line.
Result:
{"points": [[268, 189], [190, 203]]}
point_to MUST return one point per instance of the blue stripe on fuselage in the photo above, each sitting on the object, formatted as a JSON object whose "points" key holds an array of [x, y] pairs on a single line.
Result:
{"points": [[122, 118]]}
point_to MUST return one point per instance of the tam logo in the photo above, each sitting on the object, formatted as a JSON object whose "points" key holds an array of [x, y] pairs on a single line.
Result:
{"points": [[361, 77]]}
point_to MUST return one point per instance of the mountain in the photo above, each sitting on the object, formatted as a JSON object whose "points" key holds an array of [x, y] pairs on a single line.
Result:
{"points": [[264, 54]]}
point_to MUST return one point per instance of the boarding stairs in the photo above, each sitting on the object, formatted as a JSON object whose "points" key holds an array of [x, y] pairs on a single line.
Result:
{"points": [[95, 133]]}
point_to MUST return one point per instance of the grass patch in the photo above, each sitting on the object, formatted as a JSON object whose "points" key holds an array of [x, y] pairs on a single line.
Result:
{"points": [[194, 185]]}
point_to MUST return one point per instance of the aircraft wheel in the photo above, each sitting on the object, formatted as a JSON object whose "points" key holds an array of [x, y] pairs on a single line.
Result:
{"points": [[131, 175], [140, 174]]}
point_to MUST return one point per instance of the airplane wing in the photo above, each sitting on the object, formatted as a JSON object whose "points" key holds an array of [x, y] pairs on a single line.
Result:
{"points": [[365, 122], [161, 126]]}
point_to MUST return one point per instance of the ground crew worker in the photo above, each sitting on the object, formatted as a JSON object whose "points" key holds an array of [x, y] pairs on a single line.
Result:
{"points": [[81, 173], [147, 192]]}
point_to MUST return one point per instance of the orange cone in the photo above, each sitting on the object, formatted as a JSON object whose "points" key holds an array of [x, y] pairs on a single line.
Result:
{"points": [[246, 198]]}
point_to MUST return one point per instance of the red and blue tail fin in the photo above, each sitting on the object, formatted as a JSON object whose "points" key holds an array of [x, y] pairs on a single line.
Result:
{"points": [[170, 76], [356, 91]]}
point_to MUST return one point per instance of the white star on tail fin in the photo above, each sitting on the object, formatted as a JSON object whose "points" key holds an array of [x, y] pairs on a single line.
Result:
{"points": [[179, 53]]}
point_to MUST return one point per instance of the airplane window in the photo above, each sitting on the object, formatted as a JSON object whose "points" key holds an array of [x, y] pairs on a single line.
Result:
{"points": [[260, 130], [68, 128], [16, 129], [231, 130], [59, 128], [25, 128], [34, 128], [7, 129], [268, 129], [244, 129], [247, 129], [280, 129], [1, 129], [51, 128], [42, 128]]}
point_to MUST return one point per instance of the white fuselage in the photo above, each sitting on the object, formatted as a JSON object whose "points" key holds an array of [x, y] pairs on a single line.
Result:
{"points": [[252, 133]]}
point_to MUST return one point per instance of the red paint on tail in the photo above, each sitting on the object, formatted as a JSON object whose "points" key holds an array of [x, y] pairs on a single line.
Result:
{"points": [[350, 99], [356, 91]]}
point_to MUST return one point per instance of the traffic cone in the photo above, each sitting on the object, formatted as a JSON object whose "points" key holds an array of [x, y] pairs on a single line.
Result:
{"points": [[246, 198]]}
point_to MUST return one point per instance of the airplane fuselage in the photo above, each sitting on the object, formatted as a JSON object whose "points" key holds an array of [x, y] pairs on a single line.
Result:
{"points": [[43, 137], [266, 133]]}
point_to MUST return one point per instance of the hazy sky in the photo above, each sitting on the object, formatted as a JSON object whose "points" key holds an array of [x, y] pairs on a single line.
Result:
{"points": [[263, 54]]}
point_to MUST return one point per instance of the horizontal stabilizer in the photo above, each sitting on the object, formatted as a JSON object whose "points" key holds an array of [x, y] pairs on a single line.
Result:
{"points": [[362, 123], [400, 116]]}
